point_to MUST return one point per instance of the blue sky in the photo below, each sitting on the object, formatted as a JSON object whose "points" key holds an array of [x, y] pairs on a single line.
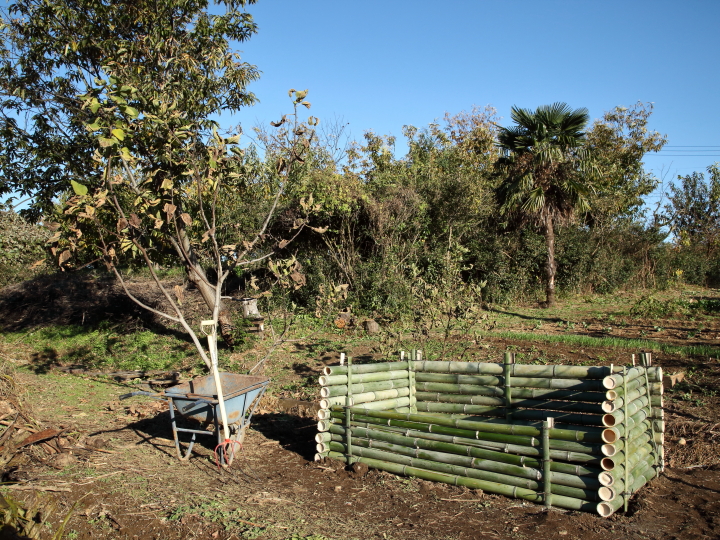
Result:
{"points": [[383, 64]]}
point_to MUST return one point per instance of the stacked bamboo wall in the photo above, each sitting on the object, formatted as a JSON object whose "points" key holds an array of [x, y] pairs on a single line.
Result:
{"points": [[577, 437]]}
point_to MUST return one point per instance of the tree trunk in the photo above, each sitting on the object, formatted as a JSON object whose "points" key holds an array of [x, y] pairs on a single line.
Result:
{"points": [[550, 266], [197, 276]]}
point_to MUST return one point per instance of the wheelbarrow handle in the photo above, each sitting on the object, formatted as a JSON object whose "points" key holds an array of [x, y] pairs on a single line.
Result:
{"points": [[199, 402], [140, 393]]}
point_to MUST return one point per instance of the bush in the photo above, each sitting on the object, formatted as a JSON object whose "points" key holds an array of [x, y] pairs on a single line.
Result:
{"points": [[22, 249]]}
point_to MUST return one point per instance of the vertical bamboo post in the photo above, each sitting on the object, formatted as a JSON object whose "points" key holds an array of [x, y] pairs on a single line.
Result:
{"points": [[507, 371], [348, 404], [626, 443], [546, 427], [411, 380]]}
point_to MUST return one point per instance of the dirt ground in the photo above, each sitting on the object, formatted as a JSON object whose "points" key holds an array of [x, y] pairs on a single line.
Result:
{"points": [[116, 462]]}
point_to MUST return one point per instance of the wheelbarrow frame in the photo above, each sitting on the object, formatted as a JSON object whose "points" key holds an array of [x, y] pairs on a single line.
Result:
{"points": [[204, 407]]}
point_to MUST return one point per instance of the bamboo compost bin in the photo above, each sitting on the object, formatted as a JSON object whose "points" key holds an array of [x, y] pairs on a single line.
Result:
{"points": [[576, 437]]}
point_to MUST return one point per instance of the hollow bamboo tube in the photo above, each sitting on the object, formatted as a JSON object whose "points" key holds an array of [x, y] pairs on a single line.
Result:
{"points": [[563, 473], [607, 508], [366, 397], [617, 403], [584, 434], [618, 460], [522, 444], [331, 380], [637, 437], [613, 434], [365, 368], [434, 462], [521, 370], [342, 389], [490, 487], [618, 417], [609, 478], [608, 493], [569, 418], [612, 406], [616, 380]]}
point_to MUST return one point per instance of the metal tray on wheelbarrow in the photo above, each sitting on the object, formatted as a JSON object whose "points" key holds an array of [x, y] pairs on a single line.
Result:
{"points": [[197, 399]]}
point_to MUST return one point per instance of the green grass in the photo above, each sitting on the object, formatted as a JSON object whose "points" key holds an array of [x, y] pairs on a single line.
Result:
{"points": [[103, 347], [610, 342]]}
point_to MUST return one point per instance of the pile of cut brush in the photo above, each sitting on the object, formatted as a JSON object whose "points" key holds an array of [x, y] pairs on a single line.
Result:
{"points": [[22, 442]]}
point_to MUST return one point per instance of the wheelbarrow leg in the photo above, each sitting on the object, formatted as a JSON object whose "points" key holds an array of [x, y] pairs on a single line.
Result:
{"points": [[173, 420]]}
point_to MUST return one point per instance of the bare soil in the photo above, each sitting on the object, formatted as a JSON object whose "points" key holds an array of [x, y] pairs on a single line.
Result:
{"points": [[116, 462]]}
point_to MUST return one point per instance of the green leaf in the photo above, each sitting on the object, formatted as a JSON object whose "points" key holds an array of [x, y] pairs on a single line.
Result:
{"points": [[94, 105], [119, 134], [132, 112], [79, 189]]}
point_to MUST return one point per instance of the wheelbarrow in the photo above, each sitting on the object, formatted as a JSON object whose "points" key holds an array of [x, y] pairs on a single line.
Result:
{"points": [[198, 400]]}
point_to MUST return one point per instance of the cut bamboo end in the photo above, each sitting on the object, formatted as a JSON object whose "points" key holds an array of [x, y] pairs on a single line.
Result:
{"points": [[607, 493], [610, 435], [605, 509], [606, 479], [323, 414], [609, 420], [609, 450]]}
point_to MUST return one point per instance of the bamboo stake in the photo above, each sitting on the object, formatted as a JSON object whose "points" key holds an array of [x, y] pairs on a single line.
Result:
{"points": [[507, 372], [365, 397], [547, 425], [348, 412]]}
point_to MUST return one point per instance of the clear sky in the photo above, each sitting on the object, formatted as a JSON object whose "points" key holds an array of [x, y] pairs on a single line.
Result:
{"points": [[380, 65]]}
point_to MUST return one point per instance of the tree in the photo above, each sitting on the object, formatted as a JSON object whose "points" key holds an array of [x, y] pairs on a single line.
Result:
{"points": [[619, 142], [547, 171], [176, 56], [97, 94], [694, 210]]}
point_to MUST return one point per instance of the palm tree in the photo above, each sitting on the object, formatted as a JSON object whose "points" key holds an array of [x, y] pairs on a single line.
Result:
{"points": [[547, 172]]}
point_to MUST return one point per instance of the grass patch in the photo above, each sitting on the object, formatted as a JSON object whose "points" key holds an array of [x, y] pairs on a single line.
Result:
{"points": [[103, 347], [610, 342]]}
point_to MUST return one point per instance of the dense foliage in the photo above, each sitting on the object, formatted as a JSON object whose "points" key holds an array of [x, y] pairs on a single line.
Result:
{"points": [[107, 123]]}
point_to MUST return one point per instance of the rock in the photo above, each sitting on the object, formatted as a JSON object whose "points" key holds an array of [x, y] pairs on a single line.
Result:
{"points": [[358, 470], [682, 442], [371, 327]]}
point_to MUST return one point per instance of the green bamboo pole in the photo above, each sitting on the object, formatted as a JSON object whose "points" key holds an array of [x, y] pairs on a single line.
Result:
{"points": [[613, 434], [567, 385], [607, 508], [507, 375], [655, 388], [411, 381], [504, 448], [570, 418], [332, 380], [547, 424], [468, 389], [365, 397], [489, 487], [615, 404], [609, 478], [348, 412], [584, 434], [618, 417], [526, 445], [610, 463], [360, 388], [365, 368], [585, 476], [460, 398], [612, 406], [613, 381], [522, 370], [637, 437], [608, 493], [458, 378], [436, 463]]}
